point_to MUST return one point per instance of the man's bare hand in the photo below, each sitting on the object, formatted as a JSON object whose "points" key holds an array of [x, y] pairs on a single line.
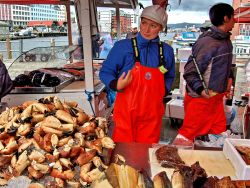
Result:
{"points": [[205, 95], [124, 80], [210, 93]]}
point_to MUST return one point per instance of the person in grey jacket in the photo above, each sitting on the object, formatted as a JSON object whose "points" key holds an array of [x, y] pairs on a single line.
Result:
{"points": [[209, 81]]}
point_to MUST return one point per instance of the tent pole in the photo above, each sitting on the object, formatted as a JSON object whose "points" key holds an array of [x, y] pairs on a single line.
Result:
{"points": [[117, 9], [67, 5], [87, 46]]}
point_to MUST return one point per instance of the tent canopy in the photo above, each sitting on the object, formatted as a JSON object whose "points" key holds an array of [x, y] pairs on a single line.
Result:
{"points": [[28, 2], [130, 4], [242, 14]]}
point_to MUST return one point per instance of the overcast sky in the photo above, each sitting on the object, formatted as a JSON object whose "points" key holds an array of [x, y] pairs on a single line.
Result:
{"points": [[192, 11]]}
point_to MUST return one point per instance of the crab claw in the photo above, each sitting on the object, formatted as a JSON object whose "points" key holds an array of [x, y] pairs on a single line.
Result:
{"points": [[92, 145], [82, 118], [44, 169], [58, 104], [64, 151], [37, 118], [24, 129], [54, 140], [21, 163], [73, 184], [57, 165], [91, 175], [98, 163], [59, 182], [100, 132], [37, 156], [11, 147], [5, 160], [4, 135], [64, 141], [66, 163], [40, 107], [67, 127], [64, 116], [72, 104], [108, 143], [51, 158], [75, 151], [34, 173], [27, 111], [23, 146], [102, 123], [88, 127], [85, 157], [47, 145], [65, 175], [52, 130], [3, 181], [38, 139], [79, 138], [52, 122], [84, 170], [36, 185]]}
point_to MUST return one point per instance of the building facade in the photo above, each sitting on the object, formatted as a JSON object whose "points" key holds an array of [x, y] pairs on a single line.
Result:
{"points": [[104, 20], [125, 21], [48, 12], [5, 12], [241, 28], [20, 15], [107, 21]]}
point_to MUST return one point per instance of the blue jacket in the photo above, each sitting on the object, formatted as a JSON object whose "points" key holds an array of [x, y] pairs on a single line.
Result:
{"points": [[121, 59], [213, 54]]}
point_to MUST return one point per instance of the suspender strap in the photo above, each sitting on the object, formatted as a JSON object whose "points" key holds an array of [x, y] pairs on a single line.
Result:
{"points": [[161, 58], [135, 49]]}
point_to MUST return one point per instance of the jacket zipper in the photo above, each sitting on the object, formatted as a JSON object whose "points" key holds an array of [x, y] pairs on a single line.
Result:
{"points": [[147, 53]]}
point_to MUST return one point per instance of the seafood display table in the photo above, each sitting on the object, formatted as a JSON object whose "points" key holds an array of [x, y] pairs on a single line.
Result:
{"points": [[73, 92], [214, 162], [141, 156]]}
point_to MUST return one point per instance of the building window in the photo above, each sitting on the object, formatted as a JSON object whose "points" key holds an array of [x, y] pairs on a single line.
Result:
{"points": [[245, 29]]}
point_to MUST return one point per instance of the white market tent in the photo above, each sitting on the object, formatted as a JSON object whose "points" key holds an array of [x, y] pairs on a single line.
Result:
{"points": [[87, 20]]}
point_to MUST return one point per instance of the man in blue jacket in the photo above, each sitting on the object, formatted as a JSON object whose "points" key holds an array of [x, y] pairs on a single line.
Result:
{"points": [[142, 71]]}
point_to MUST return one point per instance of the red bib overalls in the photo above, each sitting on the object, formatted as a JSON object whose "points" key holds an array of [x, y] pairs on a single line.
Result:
{"points": [[139, 108], [203, 116]]}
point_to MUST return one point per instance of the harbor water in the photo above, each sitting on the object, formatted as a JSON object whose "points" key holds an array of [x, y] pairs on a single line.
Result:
{"points": [[29, 44]]}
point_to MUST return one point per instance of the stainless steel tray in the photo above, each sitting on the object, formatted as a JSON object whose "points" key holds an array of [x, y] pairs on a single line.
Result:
{"points": [[34, 90]]}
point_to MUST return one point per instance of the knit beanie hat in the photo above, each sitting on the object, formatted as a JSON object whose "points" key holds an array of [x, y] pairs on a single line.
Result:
{"points": [[156, 13]]}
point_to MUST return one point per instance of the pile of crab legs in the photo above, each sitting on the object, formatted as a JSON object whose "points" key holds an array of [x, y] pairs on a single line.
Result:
{"points": [[51, 138]]}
